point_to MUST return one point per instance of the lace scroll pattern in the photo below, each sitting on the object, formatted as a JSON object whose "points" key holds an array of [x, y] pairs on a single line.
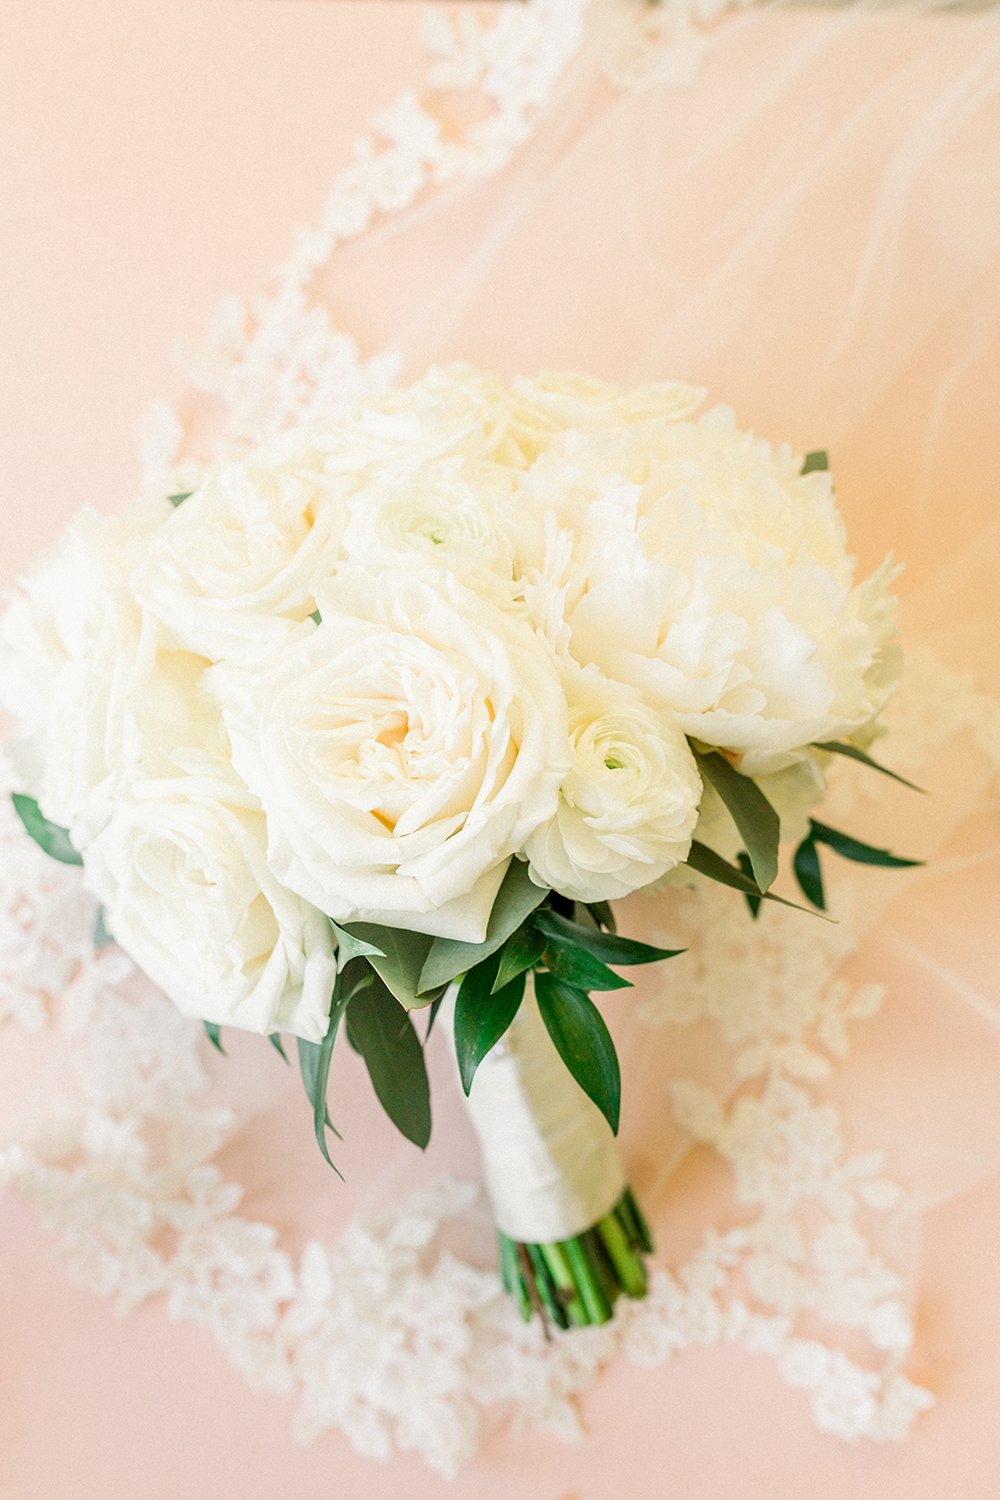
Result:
{"points": [[281, 362], [385, 1336]]}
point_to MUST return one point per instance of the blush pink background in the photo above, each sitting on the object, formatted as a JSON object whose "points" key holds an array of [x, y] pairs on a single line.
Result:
{"points": [[157, 154]]}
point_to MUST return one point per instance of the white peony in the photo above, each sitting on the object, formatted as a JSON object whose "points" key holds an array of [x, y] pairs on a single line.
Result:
{"points": [[234, 569], [691, 561], [402, 750], [629, 804], [543, 409]]}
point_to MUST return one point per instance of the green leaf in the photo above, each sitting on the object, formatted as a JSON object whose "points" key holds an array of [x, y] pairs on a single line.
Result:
{"points": [[432, 1011], [808, 872], [176, 500], [520, 952], [482, 1015], [575, 965], [743, 860], [756, 819], [603, 915], [214, 1033], [606, 946], [316, 616], [863, 854], [817, 459], [314, 1057], [397, 955], [516, 899], [838, 747], [275, 1040], [349, 946], [102, 937], [383, 1033], [714, 867], [583, 1042], [48, 836]]}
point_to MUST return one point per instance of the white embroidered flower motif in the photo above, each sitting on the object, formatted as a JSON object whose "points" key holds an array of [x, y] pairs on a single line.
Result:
{"points": [[704, 569], [629, 803], [403, 750]]}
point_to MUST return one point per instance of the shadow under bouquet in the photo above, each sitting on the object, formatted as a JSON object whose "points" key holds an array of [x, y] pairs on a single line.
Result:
{"points": [[382, 716]]}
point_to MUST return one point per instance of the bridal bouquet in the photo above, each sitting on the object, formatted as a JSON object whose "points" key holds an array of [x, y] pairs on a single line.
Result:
{"points": [[384, 714]]}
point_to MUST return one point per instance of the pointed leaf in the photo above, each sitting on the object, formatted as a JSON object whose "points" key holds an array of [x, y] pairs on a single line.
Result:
{"points": [[756, 819], [583, 1042], [314, 1057], [809, 873], [603, 915], [316, 616], [275, 1040], [349, 946], [575, 965], [432, 1011], [482, 1015], [714, 867], [397, 955], [743, 860], [48, 836], [606, 946], [519, 953], [864, 854], [817, 459], [214, 1033], [102, 937], [383, 1033], [838, 747], [516, 899]]}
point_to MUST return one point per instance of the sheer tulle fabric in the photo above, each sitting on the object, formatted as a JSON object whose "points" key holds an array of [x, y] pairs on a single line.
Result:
{"points": [[811, 229]]}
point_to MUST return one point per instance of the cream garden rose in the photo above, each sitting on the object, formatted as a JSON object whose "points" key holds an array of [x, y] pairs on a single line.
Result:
{"points": [[234, 569], [182, 871], [402, 750]]}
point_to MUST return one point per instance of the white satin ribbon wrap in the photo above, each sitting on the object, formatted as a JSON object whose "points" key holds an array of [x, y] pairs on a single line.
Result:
{"points": [[551, 1164]]}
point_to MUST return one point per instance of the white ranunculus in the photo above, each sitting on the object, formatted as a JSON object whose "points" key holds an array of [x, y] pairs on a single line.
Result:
{"points": [[629, 804], [182, 871], [448, 512], [692, 561], [403, 750], [71, 654], [234, 569]]}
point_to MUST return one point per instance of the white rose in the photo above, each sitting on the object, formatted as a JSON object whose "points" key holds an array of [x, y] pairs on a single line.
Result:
{"points": [[182, 871], [70, 655], [403, 750], [629, 803], [691, 561], [543, 408], [453, 410], [234, 569]]}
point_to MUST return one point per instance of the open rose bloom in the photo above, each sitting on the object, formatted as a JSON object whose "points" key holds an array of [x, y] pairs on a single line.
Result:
{"points": [[356, 673]]}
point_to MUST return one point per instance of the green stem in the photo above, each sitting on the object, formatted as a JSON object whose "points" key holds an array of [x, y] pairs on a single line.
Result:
{"points": [[576, 1282]]}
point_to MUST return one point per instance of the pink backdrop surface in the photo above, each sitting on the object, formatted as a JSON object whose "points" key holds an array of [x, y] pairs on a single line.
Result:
{"points": [[157, 156]]}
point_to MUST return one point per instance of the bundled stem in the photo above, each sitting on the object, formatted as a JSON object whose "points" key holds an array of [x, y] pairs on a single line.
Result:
{"points": [[576, 1282]]}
